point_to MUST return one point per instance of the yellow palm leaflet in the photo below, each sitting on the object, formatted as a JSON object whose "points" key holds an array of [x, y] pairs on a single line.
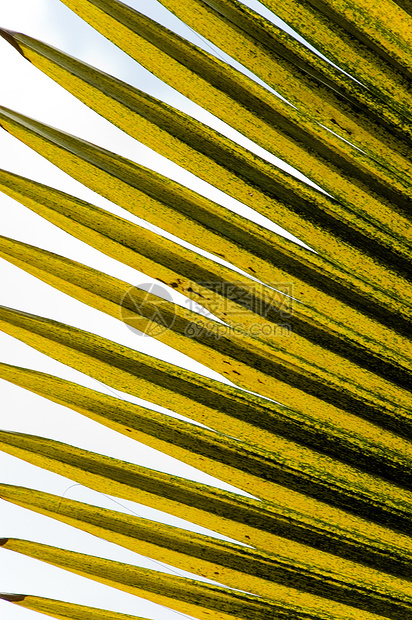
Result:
{"points": [[318, 523], [62, 609], [201, 600], [304, 211], [141, 191], [263, 524], [356, 180], [240, 463], [351, 54], [367, 21], [266, 42], [228, 563], [229, 295], [234, 353], [278, 59], [184, 391]]}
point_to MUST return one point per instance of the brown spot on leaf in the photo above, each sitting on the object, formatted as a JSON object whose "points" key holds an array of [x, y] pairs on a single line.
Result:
{"points": [[12, 598]]}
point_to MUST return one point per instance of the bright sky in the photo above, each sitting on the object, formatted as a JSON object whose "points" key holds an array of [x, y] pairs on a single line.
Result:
{"points": [[25, 89]]}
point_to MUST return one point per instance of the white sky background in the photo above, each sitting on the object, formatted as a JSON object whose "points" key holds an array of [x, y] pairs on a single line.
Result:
{"points": [[25, 89]]}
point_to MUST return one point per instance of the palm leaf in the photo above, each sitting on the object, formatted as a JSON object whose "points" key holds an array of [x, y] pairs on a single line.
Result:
{"points": [[231, 564], [317, 282], [290, 68], [183, 595], [326, 533], [279, 128], [206, 340], [167, 385], [242, 175], [286, 462], [63, 610], [292, 516]]}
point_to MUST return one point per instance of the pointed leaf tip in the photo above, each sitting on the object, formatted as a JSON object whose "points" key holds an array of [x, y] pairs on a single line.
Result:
{"points": [[8, 36], [12, 598]]}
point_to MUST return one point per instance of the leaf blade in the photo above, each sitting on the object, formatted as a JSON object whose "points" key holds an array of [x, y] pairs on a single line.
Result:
{"points": [[63, 609], [244, 519], [307, 213], [170, 386], [340, 169], [230, 564]]}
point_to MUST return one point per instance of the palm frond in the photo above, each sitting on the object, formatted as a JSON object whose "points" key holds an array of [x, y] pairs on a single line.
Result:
{"points": [[312, 332]]}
